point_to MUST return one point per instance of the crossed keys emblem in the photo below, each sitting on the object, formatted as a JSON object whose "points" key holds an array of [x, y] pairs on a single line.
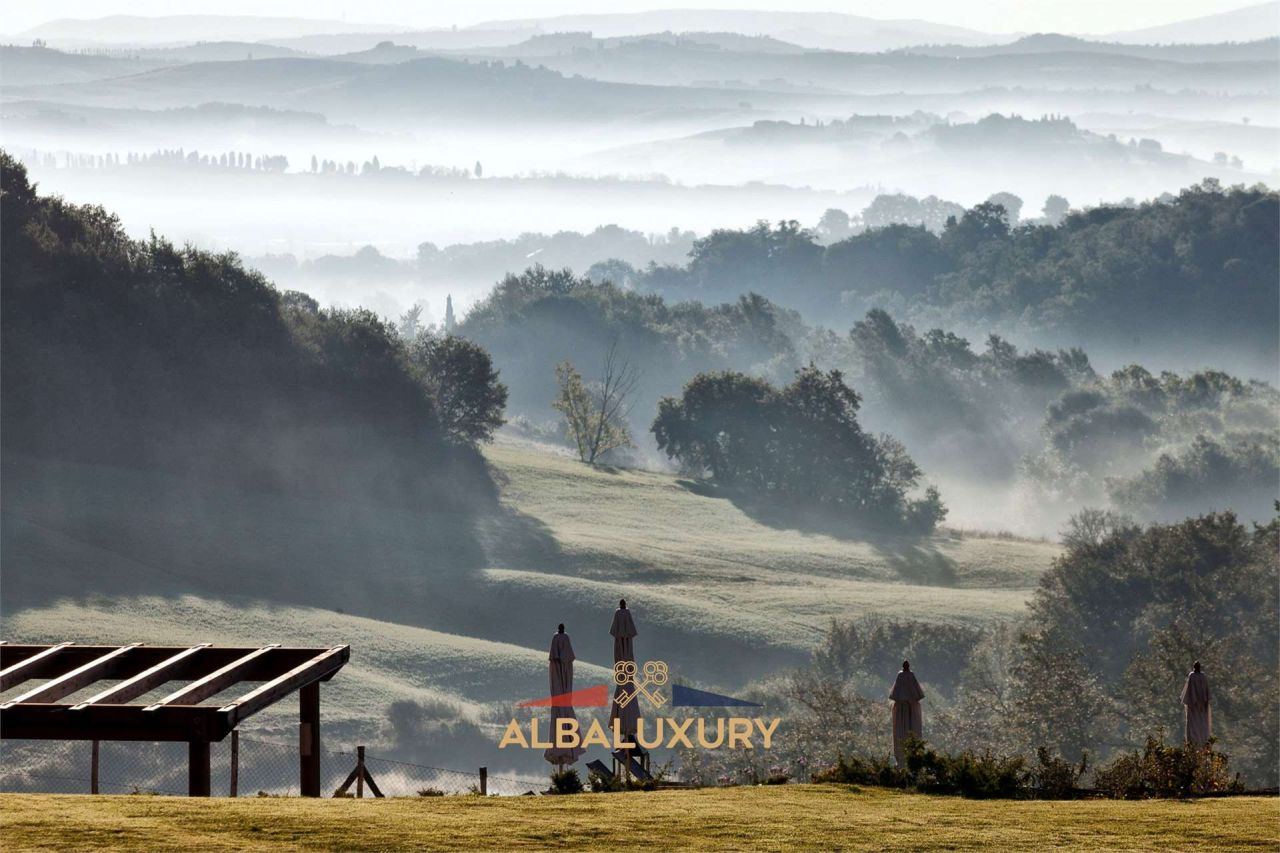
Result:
{"points": [[654, 674]]}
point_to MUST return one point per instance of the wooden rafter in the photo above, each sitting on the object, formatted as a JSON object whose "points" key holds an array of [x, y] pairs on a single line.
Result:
{"points": [[215, 682], [70, 682], [145, 681], [318, 668], [22, 670]]}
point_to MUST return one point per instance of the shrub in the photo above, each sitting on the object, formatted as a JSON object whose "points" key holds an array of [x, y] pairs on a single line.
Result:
{"points": [[777, 776], [1162, 770], [430, 792], [603, 784], [1055, 778], [979, 775], [566, 781], [857, 771]]}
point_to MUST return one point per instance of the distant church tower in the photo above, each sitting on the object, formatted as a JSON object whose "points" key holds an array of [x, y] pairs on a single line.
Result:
{"points": [[449, 322]]}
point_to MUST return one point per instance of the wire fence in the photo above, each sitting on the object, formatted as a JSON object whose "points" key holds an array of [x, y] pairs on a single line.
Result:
{"points": [[252, 765]]}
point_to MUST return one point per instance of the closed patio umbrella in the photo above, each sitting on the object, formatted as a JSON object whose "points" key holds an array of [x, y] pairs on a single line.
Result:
{"points": [[560, 663], [623, 632], [1199, 717], [907, 718]]}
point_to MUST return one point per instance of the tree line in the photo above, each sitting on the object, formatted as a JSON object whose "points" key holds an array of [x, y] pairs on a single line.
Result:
{"points": [[142, 353], [1199, 266], [1158, 445], [1083, 692], [241, 160]]}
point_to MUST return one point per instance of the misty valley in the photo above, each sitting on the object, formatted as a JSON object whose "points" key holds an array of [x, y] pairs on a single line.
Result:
{"points": [[824, 342]]}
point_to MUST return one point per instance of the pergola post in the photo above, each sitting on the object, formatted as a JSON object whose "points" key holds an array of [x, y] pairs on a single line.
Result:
{"points": [[234, 790], [309, 740], [198, 784]]}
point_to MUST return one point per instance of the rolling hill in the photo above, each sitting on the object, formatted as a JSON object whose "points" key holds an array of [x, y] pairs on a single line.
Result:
{"points": [[1244, 24], [184, 29], [34, 66], [428, 89], [454, 609], [826, 30], [1053, 62]]}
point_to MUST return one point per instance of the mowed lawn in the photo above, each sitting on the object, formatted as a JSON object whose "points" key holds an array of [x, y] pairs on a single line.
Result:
{"points": [[812, 817]]}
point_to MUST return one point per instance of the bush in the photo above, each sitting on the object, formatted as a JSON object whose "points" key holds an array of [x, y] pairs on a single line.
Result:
{"points": [[777, 776], [1161, 770], [1055, 778], [979, 775], [566, 781], [603, 784], [983, 775], [857, 771], [430, 792]]}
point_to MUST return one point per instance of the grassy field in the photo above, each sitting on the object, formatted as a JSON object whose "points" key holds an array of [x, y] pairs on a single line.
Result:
{"points": [[455, 609], [772, 818]]}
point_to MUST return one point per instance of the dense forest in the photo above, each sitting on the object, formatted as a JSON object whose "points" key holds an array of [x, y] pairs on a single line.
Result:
{"points": [[141, 353], [1159, 445], [1199, 266]]}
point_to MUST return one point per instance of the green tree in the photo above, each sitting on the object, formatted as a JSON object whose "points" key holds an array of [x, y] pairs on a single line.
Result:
{"points": [[834, 226], [596, 414], [1125, 611], [802, 443], [1056, 209], [983, 223], [462, 381], [1012, 205]]}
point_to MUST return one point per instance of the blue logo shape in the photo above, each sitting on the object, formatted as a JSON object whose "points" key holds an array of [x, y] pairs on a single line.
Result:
{"points": [[690, 697]]}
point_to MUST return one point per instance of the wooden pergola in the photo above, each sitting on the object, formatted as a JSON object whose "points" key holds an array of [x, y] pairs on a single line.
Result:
{"points": [[65, 669]]}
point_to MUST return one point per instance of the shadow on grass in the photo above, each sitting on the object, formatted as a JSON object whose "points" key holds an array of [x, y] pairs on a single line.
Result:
{"points": [[916, 558]]}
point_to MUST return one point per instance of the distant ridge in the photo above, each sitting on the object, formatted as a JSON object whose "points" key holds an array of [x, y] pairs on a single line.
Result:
{"points": [[1249, 23], [139, 30], [826, 30]]}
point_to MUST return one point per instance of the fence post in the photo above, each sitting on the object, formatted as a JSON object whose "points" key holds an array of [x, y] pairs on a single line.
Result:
{"points": [[359, 772], [484, 781], [93, 770], [235, 763]]}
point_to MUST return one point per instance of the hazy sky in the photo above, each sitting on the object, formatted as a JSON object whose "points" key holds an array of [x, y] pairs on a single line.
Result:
{"points": [[1079, 16]]}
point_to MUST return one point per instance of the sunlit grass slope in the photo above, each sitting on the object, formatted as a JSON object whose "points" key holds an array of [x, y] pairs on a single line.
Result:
{"points": [[806, 817], [457, 607]]}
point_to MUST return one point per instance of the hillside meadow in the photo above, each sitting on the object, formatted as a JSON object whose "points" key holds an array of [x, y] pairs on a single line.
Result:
{"points": [[453, 609]]}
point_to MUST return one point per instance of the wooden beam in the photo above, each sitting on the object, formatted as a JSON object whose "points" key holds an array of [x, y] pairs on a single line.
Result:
{"points": [[143, 682], [25, 669], [213, 683], [319, 667], [32, 721], [68, 683]]}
